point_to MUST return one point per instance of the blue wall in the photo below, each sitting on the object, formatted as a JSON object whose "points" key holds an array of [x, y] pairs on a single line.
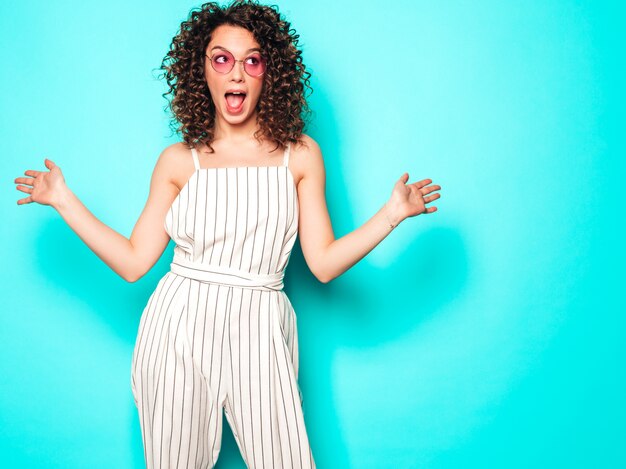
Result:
{"points": [[490, 334]]}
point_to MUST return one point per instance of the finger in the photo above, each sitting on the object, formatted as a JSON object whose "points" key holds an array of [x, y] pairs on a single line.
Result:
{"points": [[430, 198], [428, 190], [422, 183], [28, 181], [25, 200], [32, 172], [28, 190], [49, 163], [403, 179]]}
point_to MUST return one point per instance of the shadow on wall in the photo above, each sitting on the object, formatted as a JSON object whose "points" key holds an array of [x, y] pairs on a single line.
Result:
{"points": [[362, 308], [374, 305]]}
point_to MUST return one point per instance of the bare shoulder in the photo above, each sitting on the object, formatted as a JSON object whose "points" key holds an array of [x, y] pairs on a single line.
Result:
{"points": [[306, 146], [175, 155], [175, 164], [306, 158]]}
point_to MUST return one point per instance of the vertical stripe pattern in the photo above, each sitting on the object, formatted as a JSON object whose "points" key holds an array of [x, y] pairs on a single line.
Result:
{"points": [[206, 343]]}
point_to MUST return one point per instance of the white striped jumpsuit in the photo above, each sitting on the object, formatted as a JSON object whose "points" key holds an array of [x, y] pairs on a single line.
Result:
{"points": [[218, 331]]}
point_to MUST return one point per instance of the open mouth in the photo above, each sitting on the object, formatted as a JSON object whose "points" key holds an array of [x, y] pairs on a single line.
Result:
{"points": [[234, 101]]}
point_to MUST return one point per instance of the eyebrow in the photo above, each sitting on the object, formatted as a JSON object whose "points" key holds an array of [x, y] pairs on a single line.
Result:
{"points": [[224, 48]]}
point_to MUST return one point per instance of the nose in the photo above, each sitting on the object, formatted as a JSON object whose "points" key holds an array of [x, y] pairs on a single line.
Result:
{"points": [[237, 71]]}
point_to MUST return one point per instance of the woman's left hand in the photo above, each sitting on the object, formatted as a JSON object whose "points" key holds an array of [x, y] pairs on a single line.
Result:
{"points": [[409, 200]]}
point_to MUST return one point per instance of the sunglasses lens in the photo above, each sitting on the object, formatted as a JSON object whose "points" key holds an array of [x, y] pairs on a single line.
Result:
{"points": [[254, 65], [223, 62]]}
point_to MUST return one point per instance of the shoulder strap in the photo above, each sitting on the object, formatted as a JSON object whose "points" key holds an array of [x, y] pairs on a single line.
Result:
{"points": [[194, 155], [286, 158]]}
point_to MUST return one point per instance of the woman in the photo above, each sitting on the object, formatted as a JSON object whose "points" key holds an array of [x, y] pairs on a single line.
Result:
{"points": [[218, 332]]}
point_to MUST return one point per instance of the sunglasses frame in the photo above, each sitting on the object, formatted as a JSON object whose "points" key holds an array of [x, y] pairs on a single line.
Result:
{"points": [[243, 63]]}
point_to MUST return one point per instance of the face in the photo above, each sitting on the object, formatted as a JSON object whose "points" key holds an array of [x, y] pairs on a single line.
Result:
{"points": [[228, 42]]}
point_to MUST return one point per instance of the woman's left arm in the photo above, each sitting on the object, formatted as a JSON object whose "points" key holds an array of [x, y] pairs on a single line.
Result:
{"points": [[328, 257]]}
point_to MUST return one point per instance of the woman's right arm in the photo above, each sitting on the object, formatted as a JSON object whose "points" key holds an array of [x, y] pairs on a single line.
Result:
{"points": [[129, 258]]}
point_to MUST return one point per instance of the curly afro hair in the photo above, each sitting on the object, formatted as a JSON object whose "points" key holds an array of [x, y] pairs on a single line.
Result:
{"points": [[282, 107]]}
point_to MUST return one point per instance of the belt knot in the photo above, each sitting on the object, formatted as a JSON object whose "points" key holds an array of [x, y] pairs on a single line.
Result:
{"points": [[226, 276]]}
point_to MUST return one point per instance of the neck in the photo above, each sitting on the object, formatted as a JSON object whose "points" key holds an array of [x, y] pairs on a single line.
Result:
{"points": [[240, 132]]}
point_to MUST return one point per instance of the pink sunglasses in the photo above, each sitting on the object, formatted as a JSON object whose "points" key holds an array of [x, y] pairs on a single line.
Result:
{"points": [[223, 62]]}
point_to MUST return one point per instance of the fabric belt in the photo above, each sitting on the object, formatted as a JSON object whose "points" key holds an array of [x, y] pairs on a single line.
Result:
{"points": [[226, 276]]}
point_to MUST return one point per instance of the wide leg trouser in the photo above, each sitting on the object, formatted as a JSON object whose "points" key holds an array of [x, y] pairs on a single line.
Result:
{"points": [[203, 347]]}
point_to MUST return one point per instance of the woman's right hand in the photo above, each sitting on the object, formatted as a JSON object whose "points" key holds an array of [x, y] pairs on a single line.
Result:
{"points": [[44, 187]]}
